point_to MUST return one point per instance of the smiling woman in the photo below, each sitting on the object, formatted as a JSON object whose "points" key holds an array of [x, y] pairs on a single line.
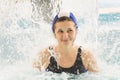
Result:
{"points": [[66, 56], [24, 32]]}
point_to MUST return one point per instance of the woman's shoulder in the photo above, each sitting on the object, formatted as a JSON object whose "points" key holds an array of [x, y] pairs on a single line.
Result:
{"points": [[90, 60], [41, 58], [86, 52]]}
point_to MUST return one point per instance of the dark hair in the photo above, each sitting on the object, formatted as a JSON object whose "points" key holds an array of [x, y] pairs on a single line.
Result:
{"points": [[63, 18]]}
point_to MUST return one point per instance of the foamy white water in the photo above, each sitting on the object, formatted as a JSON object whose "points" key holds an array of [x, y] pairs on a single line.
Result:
{"points": [[25, 28]]}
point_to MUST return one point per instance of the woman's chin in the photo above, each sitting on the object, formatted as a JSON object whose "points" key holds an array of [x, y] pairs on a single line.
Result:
{"points": [[66, 43]]}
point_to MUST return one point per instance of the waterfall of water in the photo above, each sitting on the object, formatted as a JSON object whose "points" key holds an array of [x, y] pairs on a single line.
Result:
{"points": [[25, 29]]}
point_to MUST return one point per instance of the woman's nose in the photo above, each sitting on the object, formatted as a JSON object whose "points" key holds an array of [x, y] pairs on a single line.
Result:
{"points": [[65, 36]]}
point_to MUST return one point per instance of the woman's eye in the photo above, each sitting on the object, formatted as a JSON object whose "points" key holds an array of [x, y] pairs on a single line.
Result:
{"points": [[70, 30], [60, 31]]}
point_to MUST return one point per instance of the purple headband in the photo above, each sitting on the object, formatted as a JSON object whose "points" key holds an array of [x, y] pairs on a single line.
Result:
{"points": [[70, 15]]}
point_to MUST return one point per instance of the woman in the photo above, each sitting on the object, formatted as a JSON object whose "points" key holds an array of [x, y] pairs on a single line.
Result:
{"points": [[66, 56]]}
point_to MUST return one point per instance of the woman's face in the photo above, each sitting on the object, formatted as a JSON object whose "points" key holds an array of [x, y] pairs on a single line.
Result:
{"points": [[65, 32]]}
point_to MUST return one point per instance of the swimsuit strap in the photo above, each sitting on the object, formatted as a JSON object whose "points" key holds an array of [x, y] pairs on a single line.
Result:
{"points": [[77, 68]]}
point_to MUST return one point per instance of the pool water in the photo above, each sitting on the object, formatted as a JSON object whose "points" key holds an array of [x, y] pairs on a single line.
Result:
{"points": [[25, 29]]}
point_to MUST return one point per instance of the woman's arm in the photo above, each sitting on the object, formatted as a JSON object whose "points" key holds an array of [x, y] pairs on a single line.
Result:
{"points": [[93, 65], [41, 60], [90, 61]]}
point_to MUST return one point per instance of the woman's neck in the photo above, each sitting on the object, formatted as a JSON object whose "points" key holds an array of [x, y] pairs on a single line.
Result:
{"points": [[65, 50]]}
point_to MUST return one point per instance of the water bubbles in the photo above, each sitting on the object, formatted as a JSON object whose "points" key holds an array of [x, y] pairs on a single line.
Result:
{"points": [[25, 29], [45, 10]]}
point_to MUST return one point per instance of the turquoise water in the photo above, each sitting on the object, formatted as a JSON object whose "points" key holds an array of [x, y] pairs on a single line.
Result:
{"points": [[107, 18], [22, 36]]}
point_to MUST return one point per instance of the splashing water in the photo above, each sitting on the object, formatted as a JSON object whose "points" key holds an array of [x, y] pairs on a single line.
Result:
{"points": [[25, 30]]}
